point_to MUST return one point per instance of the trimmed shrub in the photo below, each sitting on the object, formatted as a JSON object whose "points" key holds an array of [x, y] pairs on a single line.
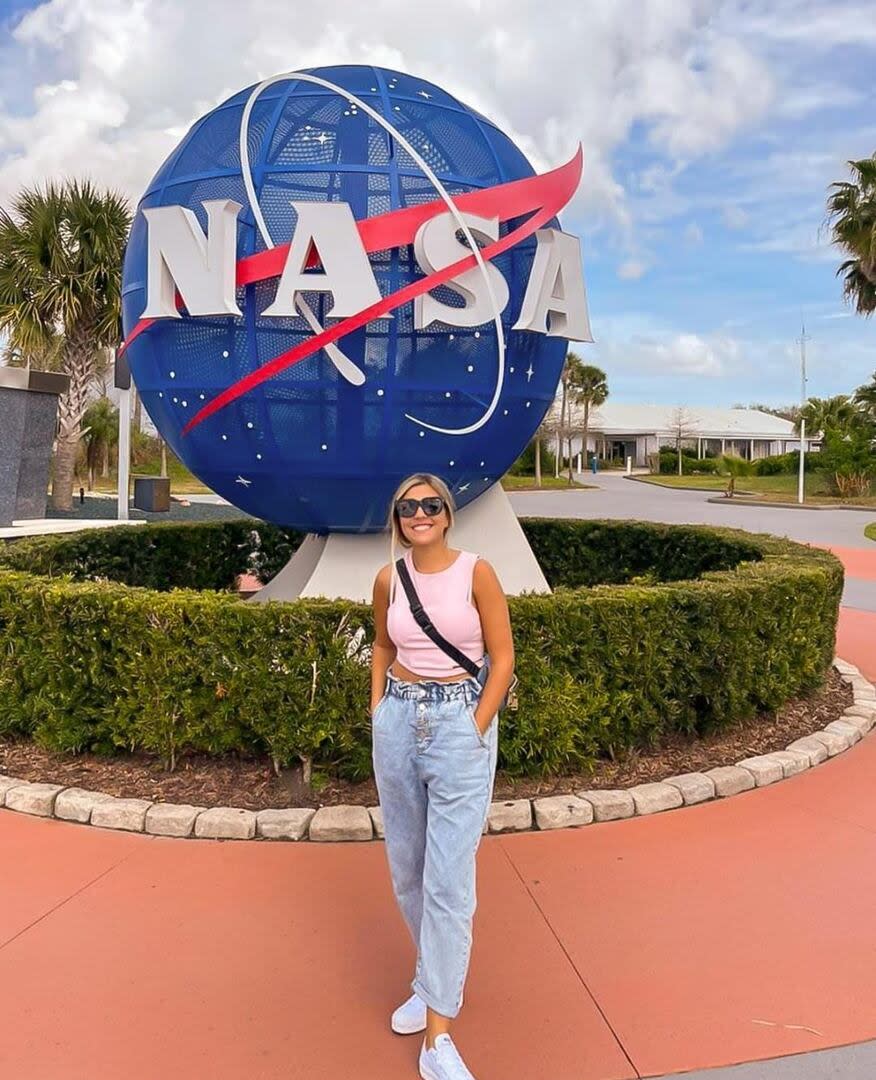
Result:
{"points": [[732, 623], [788, 463], [690, 464]]}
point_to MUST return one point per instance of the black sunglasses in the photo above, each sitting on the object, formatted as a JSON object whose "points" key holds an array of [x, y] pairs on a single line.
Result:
{"points": [[432, 506]]}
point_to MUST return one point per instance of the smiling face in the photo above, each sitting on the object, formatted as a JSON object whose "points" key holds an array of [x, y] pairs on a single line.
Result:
{"points": [[422, 530]]}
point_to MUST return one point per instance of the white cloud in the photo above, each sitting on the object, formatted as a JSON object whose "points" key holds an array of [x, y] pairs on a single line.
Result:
{"points": [[104, 86], [631, 270], [692, 235], [808, 99], [804, 22], [667, 353], [734, 217]]}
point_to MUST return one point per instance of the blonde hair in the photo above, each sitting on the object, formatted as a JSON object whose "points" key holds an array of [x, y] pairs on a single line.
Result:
{"points": [[397, 537]]}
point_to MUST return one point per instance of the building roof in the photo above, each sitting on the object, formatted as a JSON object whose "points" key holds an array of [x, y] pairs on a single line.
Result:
{"points": [[614, 418]]}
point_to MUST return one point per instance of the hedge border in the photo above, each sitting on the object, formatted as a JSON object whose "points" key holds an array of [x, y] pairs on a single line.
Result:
{"points": [[357, 823], [651, 628]]}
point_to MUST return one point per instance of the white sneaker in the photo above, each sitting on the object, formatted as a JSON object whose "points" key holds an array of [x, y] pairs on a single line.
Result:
{"points": [[443, 1062], [410, 1016]]}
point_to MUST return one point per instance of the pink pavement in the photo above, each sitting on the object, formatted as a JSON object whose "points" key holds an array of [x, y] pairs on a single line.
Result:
{"points": [[736, 930]]}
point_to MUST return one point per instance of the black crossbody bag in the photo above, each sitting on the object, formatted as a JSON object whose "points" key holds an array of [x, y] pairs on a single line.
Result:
{"points": [[509, 701]]}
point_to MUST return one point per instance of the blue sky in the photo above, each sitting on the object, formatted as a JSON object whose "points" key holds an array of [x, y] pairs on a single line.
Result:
{"points": [[710, 130]]}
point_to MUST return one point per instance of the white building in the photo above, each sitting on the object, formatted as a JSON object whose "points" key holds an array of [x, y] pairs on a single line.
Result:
{"points": [[618, 431]]}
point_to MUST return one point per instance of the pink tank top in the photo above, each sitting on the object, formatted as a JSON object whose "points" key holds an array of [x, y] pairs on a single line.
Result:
{"points": [[446, 598]]}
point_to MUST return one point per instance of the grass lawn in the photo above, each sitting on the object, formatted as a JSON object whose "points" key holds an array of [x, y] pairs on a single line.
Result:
{"points": [[182, 482], [548, 483], [782, 487], [870, 531]]}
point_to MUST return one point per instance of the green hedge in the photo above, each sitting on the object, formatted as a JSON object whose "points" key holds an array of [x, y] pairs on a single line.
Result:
{"points": [[102, 666], [690, 463], [169, 555]]}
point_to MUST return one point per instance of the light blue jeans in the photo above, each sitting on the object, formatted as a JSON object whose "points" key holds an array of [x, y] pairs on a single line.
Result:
{"points": [[434, 774]]}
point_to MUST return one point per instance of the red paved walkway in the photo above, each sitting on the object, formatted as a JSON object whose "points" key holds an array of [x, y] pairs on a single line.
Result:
{"points": [[731, 931]]}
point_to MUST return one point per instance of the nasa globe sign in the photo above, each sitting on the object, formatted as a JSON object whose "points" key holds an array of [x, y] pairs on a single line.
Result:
{"points": [[342, 276]]}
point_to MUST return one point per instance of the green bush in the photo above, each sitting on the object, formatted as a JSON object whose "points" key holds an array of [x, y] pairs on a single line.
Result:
{"points": [[787, 463], [163, 556], [525, 464], [690, 464], [735, 623]]}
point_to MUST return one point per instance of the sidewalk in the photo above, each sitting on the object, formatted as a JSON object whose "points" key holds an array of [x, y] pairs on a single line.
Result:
{"points": [[733, 931]]}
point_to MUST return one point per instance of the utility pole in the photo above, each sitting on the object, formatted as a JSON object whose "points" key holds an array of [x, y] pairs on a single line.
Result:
{"points": [[801, 341]]}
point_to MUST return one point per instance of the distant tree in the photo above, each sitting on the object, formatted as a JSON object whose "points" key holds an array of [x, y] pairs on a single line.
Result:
{"points": [[849, 456], [547, 430], [571, 373], [786, 412], [822, 413], [100, 430], [851, 214], [683, 425], [865, 397], [588, 386], [60, 287]]}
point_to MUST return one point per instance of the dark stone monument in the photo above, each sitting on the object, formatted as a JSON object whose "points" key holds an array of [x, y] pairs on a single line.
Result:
{"points": [[28, 412]]}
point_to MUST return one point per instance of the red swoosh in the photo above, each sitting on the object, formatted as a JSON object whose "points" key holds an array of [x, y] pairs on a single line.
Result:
{"points": [[546, 195]]}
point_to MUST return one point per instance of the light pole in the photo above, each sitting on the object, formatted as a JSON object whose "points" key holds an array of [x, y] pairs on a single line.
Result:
{"points": [[123, 383], [801, 340]]}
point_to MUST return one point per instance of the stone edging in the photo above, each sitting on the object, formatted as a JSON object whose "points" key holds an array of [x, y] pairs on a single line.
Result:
{"points": [[358, 823]]}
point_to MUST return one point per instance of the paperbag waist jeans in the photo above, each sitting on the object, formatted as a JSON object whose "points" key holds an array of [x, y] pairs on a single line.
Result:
{"points": [[434, 772]]}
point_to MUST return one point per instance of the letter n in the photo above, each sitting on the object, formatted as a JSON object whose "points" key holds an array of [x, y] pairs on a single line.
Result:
{"points": [[202, 268]]}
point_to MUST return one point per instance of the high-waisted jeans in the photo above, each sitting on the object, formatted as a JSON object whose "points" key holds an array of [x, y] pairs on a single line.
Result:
{"points": [[435, 774]]}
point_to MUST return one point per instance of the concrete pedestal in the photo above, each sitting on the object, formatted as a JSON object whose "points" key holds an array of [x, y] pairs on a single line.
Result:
{"points": [[345, 564], [28, 411]]}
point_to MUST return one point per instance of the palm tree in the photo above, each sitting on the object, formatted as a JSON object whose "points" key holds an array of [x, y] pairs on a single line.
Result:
{"points": [[851, 213], [588, 386], [865, 397], [100, 431], [60, 284], [822, 413]]}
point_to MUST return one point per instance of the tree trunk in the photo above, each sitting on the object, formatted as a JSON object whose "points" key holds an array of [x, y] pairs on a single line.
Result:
{"points": [[679, 457], [538, 461], [79, 361], [105, 467], [561, 437], [163, 458], [63, 472], [586, 432]]}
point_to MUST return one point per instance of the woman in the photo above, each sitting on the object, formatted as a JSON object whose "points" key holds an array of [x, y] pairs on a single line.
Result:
{"points": [[435, 736]]}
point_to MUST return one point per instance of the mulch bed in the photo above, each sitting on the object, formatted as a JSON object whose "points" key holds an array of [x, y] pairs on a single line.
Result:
{"points": [[251, 783]]}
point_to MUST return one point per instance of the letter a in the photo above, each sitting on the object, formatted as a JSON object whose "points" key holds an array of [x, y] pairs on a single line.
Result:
{"points": [[180, 257], [331, 229], [555, 302]]}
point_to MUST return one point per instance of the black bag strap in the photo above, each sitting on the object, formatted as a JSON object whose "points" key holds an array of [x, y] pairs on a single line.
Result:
{"points": [[427, 626]]}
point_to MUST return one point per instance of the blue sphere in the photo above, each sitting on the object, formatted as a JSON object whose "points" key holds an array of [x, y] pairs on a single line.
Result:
{"points": [[306, 448]]}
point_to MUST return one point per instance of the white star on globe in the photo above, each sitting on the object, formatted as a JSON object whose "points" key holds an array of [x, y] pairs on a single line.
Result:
{"points": [[423, 94], [240, 480], [529, 371]]}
